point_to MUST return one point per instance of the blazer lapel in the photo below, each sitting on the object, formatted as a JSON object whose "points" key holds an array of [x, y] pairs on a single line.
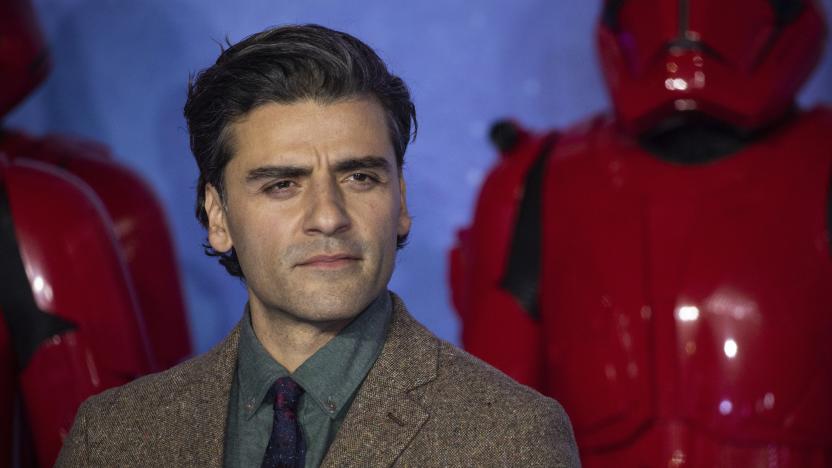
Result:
{"points": [[205, 404], [386, 413]]}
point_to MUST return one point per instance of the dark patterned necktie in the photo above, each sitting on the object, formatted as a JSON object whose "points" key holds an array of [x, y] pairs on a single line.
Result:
{"points": [[286, 446]]}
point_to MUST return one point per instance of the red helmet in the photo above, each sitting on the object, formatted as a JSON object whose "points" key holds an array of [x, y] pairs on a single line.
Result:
{"points": [[24, 59], [738, 61]]}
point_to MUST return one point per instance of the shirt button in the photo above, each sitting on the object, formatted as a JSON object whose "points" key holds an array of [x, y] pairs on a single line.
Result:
{"points": [[250, 405], [331, 406]]}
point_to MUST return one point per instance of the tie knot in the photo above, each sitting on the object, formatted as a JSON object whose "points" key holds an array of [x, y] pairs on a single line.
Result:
{"points": [[286, 394]]}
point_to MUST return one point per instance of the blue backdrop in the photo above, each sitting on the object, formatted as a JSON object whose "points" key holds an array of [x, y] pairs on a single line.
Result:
{"points": [[121, 69]]}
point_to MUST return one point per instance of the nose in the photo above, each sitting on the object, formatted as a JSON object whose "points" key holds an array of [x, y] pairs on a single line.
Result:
{"points": [[326, 211]]}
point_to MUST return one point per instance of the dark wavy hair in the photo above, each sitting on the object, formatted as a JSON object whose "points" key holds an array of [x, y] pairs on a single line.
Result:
{"points": [[285, 65]]}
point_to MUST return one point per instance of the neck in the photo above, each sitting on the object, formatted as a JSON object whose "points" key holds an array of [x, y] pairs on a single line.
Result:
{"points": [[289, 341]]}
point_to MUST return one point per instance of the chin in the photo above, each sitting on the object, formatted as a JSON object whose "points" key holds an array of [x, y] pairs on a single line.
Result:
{"points": [[348, 305], [333, 304], [317, 298], [333, 317]]}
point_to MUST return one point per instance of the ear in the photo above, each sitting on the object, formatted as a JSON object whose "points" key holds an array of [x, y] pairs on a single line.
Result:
{"points": [[218, 234], [404, 216]]}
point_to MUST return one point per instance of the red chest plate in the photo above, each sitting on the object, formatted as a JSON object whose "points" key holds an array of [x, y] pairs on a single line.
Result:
{"points": [[689, 306]]}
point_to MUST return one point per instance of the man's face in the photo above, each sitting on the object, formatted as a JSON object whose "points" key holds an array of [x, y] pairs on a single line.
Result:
{"points": [[314, 205]]}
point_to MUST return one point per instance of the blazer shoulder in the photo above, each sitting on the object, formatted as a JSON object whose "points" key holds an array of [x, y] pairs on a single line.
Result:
{"points": [[455, 377], [149, 390], [146, 417], [474, 376], [491, 399]]}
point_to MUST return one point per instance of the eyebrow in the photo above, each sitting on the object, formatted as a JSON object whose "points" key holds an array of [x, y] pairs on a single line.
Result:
{"points": [[277, 172], [292, 172], [366, 162]]}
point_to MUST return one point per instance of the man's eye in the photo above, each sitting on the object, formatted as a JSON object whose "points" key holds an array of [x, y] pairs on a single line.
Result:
{"points": [[362, 178], [279, 185]]}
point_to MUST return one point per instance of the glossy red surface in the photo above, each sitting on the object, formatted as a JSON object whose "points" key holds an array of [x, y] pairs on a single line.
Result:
{"points": [[75, 269], [703, 296], [728, 59], [684, 309], [140, 228], [477, 266], [24, 60], [97, 251]]}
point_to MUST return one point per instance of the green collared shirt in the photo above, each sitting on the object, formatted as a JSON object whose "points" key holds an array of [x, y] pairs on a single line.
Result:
{"points": [[330, 379]]}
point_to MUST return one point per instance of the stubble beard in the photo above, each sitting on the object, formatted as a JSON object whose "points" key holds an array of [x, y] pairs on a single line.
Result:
{"points": [[323, 297]]}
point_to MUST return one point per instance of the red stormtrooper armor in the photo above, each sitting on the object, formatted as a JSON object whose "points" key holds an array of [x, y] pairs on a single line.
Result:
{"points": [[665, 272], [90, 297]]}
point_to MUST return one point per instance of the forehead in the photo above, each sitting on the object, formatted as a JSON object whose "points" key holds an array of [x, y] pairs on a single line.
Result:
{"points": [[308, 130]]}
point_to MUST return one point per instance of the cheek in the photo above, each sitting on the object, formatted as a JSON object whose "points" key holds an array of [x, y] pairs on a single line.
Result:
{"points": [[383, 213], [257, 236]]}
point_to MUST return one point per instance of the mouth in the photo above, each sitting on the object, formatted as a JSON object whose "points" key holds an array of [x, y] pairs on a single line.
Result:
{"points": [[329, 262]]}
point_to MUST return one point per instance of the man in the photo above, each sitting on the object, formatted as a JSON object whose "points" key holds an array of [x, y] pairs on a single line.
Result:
{"points": [[299, 133]]}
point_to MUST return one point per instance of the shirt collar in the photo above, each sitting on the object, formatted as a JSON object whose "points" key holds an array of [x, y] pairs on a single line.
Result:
{"points": [[331, 375], [256, 369]]}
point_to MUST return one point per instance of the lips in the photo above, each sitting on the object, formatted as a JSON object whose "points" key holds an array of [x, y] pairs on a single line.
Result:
{"points": [[328, 261]]}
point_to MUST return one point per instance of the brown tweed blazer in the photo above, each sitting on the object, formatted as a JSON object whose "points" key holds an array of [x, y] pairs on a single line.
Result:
{"points": [[424, 403]]}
